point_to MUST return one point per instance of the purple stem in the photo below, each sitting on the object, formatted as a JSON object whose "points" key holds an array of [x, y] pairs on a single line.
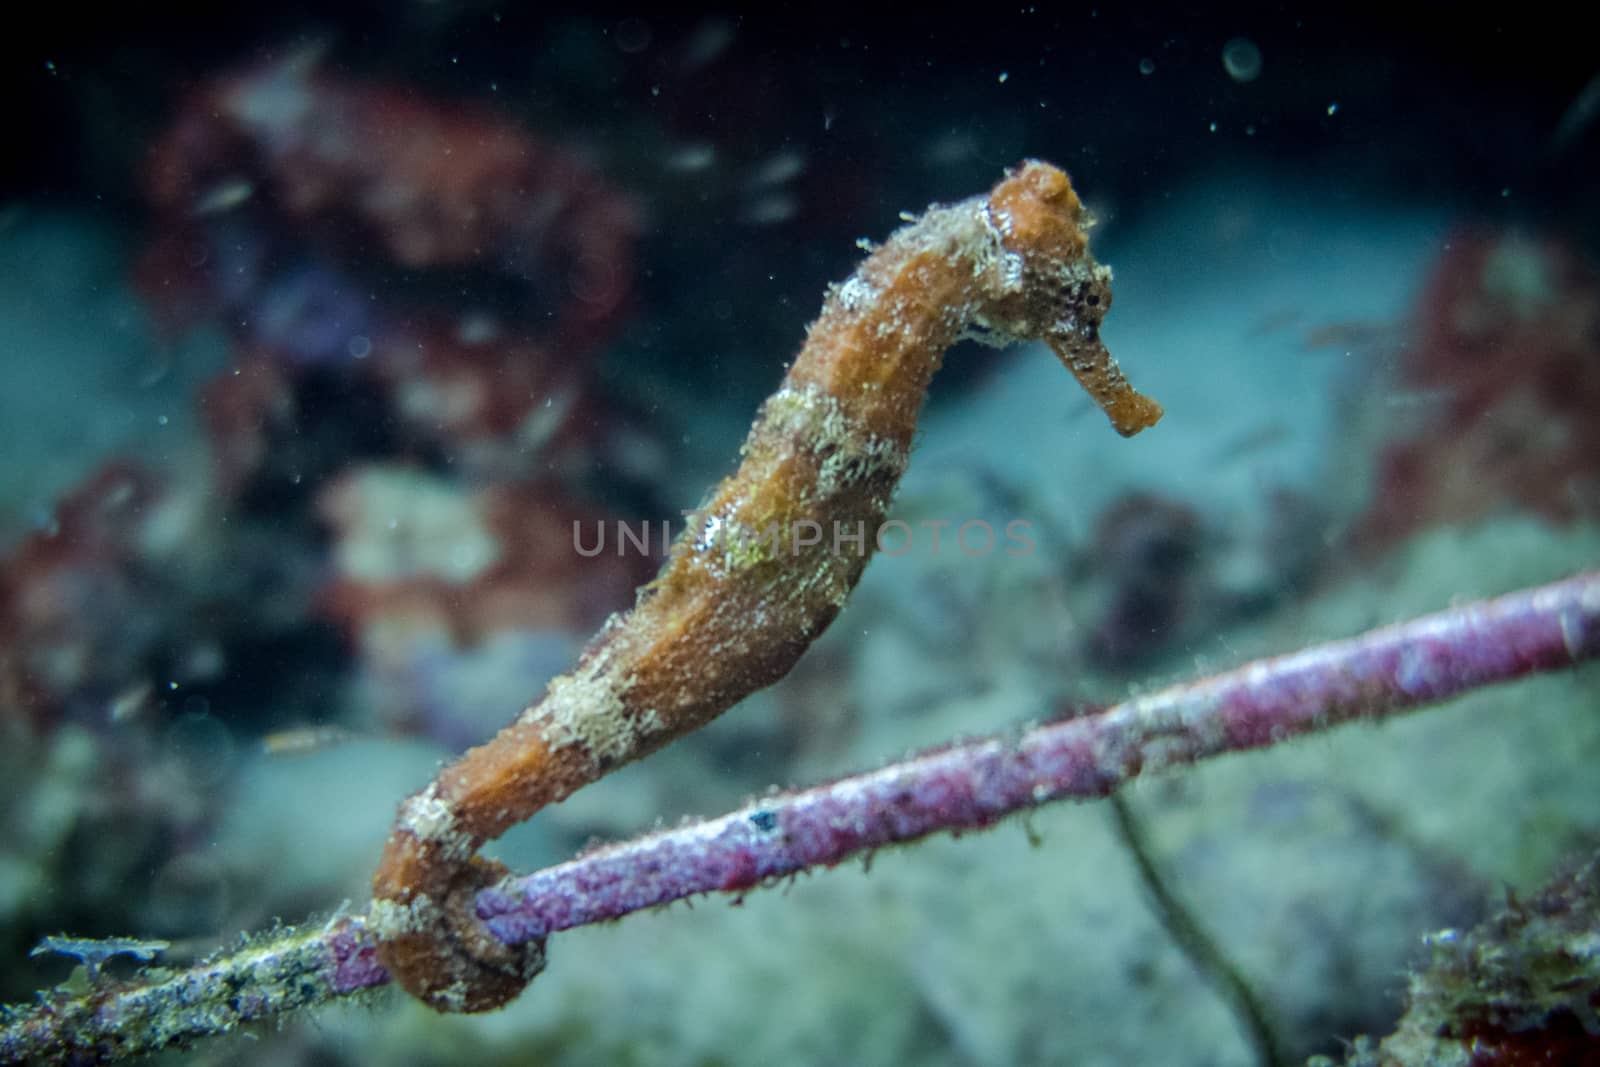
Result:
{"points": [[971, 785], [1381, 673]]}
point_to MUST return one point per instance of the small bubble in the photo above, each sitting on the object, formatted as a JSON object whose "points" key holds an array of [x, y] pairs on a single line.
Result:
{"points": [[359, 347], [1147, 66], [1333, 108], [1213, 127], [1242, 59], [1003, 76], [161, 420]]}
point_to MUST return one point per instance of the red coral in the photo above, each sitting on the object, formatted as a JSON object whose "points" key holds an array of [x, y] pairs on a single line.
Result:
{"points": [[333, 223], [351, 163], [411, 286], [70, 596], [241, 409], [1504, 378], [435, 583], [407, 544]]}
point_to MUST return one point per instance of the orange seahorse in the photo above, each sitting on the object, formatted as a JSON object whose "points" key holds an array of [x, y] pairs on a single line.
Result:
{"points": [[740, 597]]}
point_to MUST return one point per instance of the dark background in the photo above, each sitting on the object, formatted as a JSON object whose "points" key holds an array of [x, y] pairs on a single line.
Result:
{"points": [[883, 113]]}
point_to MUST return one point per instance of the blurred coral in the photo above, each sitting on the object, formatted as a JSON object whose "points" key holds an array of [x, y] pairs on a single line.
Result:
{"points": [[104, 623], [413, 294], [416, 292], [1147, 552], [334, 224], [429, 577], [1503, 373], [80, 601]]}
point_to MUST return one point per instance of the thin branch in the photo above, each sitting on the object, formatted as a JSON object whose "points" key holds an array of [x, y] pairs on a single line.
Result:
{"points": [[1382, 673], [266, 979], [972, 785], [1200, 947]]}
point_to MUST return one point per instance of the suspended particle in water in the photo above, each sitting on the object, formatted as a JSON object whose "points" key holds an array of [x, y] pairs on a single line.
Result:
{"points": [[1147, 67], [709, 40], [691, 158], [1241, 59], [779, 169]]}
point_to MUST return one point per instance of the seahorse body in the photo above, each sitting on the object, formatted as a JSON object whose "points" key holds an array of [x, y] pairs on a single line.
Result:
{"points": [[748, 587]]}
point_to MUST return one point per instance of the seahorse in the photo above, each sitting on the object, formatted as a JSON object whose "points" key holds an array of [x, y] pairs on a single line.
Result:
{"points": [[742, 594]]}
